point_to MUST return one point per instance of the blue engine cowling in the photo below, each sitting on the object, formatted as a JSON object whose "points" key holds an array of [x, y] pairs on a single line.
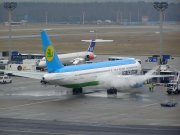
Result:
{"points": [[137, 85]]}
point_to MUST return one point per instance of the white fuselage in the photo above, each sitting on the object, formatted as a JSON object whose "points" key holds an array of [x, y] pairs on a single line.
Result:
{"points": [[67, 59], [90, 77]]}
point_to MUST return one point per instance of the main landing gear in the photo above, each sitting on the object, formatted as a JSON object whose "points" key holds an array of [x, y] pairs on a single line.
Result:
{"points": [[77, 91], [111, 91]]}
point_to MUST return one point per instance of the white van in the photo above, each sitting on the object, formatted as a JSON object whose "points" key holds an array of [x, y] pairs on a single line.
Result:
{"points": [[5, 79]]}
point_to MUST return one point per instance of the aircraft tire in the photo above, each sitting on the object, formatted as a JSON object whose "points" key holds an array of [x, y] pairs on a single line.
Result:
{"points": [[112, 91], [73, 91], [108, 91], [80, 90], [76, 91], [115, 91]]}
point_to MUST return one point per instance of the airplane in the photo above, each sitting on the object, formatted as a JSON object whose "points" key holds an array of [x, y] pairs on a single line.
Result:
{"points": [[111, 75], [76, 57]]}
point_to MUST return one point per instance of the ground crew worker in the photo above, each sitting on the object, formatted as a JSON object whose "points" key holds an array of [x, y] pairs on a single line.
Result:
{"points": [[149, 87], [152, 86]]}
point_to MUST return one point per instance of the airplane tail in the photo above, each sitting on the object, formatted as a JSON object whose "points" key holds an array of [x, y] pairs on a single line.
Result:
{"points": [[91, 46], [52, 61]]}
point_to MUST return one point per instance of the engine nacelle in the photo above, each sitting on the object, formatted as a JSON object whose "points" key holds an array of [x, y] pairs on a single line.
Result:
{"points": [[137, 85], [89, 57]]}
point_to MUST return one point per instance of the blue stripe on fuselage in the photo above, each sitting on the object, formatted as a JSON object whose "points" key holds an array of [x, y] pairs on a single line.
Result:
{"points": [[96, 65]]}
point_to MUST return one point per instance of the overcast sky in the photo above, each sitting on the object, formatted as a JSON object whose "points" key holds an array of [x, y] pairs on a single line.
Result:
{"points": [[75, 1]]}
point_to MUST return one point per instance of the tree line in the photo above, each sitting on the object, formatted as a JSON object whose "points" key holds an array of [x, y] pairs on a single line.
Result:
{"points": [[66, 12]]}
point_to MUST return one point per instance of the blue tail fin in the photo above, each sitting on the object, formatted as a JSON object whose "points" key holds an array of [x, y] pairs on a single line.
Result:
{"points": [[52, 61], [91, 46]]}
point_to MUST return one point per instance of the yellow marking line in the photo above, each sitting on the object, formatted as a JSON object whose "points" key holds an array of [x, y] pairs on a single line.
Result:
{"points": [[20, 131], [23, 105]]}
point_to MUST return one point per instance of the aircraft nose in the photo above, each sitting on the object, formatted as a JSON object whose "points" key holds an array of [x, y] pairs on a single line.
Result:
{"points": [[41, 64], [46, 77]]}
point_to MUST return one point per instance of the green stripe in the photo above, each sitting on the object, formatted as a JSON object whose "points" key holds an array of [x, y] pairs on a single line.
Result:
{"points": [[81, 84]]}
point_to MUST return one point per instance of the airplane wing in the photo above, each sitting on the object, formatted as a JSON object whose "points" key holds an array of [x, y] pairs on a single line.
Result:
{"points": [[77, 61], [127, 81], [30, 74]]}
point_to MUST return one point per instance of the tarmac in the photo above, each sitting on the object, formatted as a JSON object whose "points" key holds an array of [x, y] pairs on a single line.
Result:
{"points": [[27, 100]]}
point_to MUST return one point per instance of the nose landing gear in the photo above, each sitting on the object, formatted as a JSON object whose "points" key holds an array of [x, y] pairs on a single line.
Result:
{"points": [[111, 91], [77, 91]]}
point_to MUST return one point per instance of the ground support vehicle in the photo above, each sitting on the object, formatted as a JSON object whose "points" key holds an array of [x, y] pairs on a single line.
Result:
{"points": [[5, 79], [168, 104], [173, 88]]}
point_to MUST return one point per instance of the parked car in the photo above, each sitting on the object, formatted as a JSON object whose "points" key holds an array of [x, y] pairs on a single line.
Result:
{"points": [[5, 79]]}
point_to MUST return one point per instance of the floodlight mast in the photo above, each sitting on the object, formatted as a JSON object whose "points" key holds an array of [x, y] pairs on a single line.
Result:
{"points": [[160, 6], [10, 6]]}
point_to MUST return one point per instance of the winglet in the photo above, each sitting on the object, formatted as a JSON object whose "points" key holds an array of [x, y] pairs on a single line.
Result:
{"points": [[52, 60]]}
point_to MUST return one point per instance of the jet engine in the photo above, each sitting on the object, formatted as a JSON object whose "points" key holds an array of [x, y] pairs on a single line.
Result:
{"points": [[137, 85], [89, 57]]}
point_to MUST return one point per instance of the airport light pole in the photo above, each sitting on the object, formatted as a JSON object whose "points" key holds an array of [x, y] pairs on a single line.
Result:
{"points": [[138, 15], [130, 16], [121, 17], [46, 17], [117, 16], [160, 6], [10, 6], [83, 14]]}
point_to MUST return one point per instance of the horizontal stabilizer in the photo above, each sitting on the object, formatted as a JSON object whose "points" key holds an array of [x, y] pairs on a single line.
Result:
{"points": [[97, 40]]}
